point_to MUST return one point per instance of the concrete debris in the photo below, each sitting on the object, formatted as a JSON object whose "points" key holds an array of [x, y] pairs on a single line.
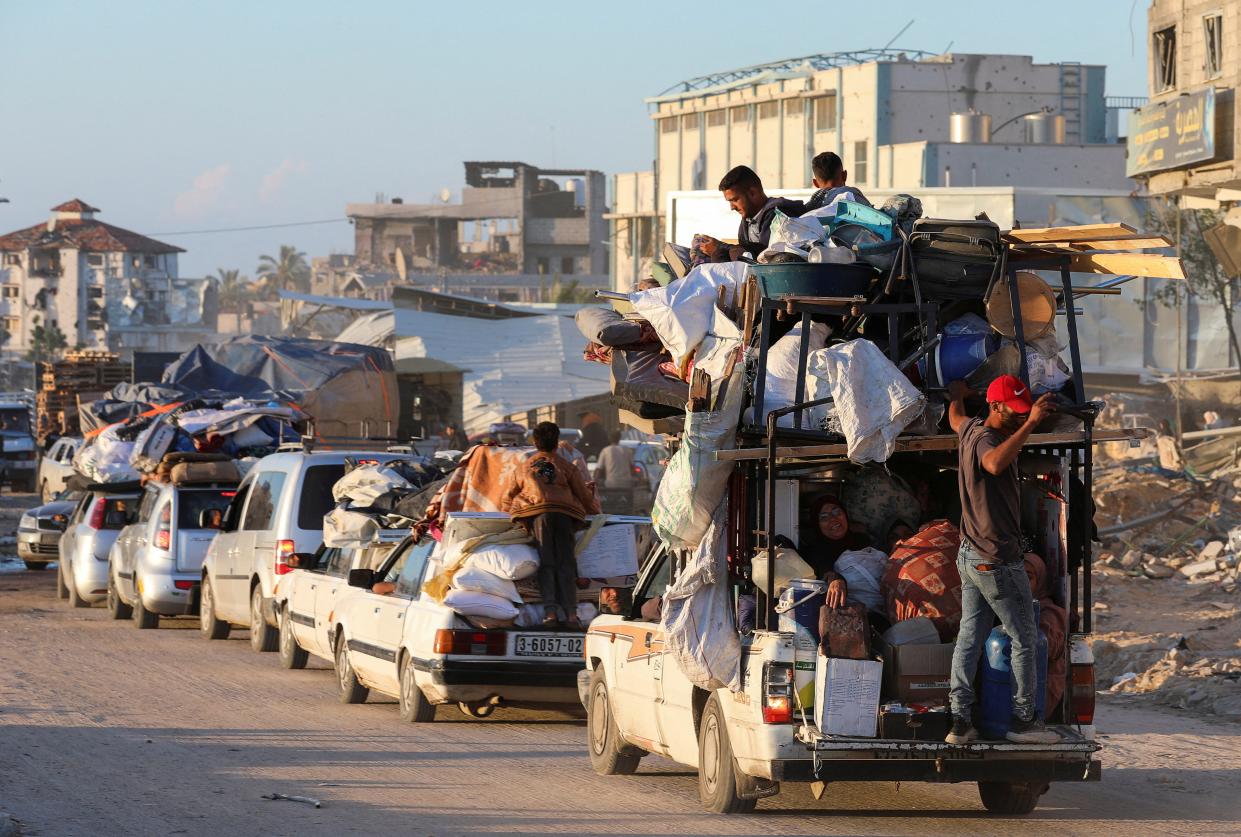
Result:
{"points": [[1197, 568]]}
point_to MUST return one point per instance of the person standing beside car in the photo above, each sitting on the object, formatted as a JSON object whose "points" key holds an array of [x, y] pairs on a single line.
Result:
{"points": [[550, 499], [614, 476], [990, 560]]}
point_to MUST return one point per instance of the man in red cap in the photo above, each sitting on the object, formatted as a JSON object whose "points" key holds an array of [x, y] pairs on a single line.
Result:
{"points": [[991, 561]]}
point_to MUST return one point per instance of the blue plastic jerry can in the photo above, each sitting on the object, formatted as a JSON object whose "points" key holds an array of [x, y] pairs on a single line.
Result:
{"points": [[996, 689]]}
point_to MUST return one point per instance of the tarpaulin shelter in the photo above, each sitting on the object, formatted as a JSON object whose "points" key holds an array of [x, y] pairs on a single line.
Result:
{"points": [[348, 389]]}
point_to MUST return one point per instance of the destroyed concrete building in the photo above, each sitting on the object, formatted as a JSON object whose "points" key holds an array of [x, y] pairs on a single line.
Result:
{"points": [[522, 227], [101, 285]]}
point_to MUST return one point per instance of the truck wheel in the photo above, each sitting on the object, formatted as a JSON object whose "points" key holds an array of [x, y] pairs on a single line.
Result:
{"points": [[143, 619], [75, 599], [36, 566], [62, 589], [348, 688], [415, 708], [718, 775], [211, 626], [292, 655], [263, 637], [609, 754], [116, 607], [1010, 798]]}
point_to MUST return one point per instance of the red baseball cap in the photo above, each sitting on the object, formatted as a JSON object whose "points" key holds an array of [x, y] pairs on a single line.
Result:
{"points": [[1011, 392]]}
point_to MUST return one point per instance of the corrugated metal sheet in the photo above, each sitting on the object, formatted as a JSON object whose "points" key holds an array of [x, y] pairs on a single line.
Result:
{"points": [[509, 366]]}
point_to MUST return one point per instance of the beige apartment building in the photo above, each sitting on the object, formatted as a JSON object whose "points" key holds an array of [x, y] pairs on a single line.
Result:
{"points": [[899, 120], [1185, 141]]}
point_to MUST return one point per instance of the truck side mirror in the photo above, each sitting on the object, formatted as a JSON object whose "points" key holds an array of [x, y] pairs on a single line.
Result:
{"points": [[362, 577]]}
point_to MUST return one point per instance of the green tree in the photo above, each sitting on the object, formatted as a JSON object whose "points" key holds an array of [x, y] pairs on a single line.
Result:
{"points": [[235, 290], [1204, 279], [46, 342], [288, 271], [568, 293]]}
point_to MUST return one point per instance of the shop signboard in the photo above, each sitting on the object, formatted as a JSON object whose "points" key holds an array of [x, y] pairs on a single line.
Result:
{"points": [[1172, 134]]}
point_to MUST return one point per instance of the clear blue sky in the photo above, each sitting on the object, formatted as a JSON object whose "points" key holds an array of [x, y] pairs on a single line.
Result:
{"points": [[173, 116]]}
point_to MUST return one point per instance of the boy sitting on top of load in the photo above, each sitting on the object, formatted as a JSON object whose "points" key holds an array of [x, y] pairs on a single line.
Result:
{"points": [[550, 499]]}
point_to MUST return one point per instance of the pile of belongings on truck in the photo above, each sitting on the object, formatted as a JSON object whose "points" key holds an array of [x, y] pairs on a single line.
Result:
{"points": [[489, 575], [699, 314], [148, 444], [376, 495]]}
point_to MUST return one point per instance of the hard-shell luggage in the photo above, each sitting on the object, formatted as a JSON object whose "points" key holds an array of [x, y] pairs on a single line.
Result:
{"points": [[955, 259]]}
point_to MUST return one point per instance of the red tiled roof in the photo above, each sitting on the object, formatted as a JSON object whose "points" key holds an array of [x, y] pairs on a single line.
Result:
{"points": [[91, 235], [75, 205]]}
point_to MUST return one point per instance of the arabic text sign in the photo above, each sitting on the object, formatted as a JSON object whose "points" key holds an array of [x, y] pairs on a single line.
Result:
{"points": [[1171, 134]]}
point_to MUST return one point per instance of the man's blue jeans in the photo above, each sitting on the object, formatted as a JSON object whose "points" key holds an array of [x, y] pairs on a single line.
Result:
{"points": [[991, 589]]}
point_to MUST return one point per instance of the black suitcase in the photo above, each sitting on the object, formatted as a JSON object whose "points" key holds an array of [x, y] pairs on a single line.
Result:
{"points": [[955, 259]]}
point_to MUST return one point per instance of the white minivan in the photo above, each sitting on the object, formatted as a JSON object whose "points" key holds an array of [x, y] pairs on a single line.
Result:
{"points": [[278, 511]]}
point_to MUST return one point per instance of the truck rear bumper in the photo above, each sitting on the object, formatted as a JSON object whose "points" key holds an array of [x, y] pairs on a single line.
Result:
{"points": [[936, 770]]}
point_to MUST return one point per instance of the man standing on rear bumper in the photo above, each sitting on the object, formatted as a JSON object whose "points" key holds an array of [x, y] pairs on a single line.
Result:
{"points": [[991, 560]]}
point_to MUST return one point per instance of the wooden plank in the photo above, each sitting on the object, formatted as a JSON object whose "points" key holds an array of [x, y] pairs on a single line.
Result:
{"points": [[914, 444], [1141, 242], [1128, 264], [1086, 232]]}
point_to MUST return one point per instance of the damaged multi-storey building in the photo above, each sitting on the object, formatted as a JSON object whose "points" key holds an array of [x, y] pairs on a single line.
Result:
{"points": [[102, 286], [517, 232]]}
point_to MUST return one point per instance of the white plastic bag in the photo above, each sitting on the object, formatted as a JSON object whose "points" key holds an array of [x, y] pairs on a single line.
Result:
{"points": [[719, 346], [681, 312], [478, 580], [694, 481], [344, 528], [512, 561], [781, 380], [862, 570], [800, 233], [469, 603]]}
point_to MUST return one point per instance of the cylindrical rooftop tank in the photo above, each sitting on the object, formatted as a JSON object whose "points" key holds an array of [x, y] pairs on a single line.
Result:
{"points": [[970, 126], [577, 186], [1045, 129]]}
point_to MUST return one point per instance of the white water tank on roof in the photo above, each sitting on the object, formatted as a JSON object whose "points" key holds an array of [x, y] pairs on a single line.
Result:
{"points": [[970, 126]]}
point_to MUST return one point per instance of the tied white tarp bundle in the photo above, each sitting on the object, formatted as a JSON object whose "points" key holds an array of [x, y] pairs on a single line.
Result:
{"points": [[343, 528], [365, 484], [694, 482], [862, 570], [872, 399], [780, 388], [681, 312], [697, 614], [106, 459]]}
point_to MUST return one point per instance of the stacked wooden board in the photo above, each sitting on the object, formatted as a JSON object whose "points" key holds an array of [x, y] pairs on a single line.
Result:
{"points": [[80, 376], [1114, 249]]}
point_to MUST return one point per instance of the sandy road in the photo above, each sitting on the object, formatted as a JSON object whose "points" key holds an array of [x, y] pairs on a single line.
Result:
{"points": [[107, 730]]}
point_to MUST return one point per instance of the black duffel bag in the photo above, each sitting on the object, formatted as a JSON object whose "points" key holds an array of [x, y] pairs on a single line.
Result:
{"points": [[955, 259]]}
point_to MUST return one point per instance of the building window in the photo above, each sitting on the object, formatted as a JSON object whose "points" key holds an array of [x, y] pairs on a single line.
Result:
{"points": [[94, 259], [825, 113], [149, 261], [861, 173], [1164, 50], [667, 126], [715, 118], [690, 122], [768, 110], [11, 259], [566, 265], [1213, 35], [741, 113], [12, 324], [12, 291]]}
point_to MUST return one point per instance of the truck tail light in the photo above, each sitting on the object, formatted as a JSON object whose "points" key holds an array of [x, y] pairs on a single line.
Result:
{"points": [[1082, 694], [163, 536], [284, 551], [484, 643], [183, 584], [777, 693], [96, 514]]}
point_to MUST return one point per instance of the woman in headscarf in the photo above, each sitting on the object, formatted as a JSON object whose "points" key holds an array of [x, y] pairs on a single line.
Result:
{"points": [[828, 537], [1054, 622]]}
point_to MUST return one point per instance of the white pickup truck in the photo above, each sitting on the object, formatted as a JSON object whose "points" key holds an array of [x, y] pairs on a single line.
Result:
{"points": [[744, 744]]}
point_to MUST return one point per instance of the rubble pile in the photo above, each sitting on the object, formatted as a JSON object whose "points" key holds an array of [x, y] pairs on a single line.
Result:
{"points": [[1166, 586]]}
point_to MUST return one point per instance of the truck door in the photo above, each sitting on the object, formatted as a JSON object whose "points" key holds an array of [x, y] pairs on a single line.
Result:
{"points": [[638, 662]]}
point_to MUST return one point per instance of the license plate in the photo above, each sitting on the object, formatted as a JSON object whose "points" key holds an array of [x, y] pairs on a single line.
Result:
{"points": [[545, 645]]}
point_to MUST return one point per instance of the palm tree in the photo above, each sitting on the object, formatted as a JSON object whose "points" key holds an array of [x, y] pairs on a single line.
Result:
{"points": [[235, 289], [288, 271]]}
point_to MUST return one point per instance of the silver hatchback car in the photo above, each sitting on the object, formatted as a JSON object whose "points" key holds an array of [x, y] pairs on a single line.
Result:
{"points": [[82, 572], [157, 560]]}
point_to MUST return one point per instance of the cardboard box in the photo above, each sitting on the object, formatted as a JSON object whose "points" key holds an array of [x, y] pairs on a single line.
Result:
{"points": [[847, 696], [916, 673]]}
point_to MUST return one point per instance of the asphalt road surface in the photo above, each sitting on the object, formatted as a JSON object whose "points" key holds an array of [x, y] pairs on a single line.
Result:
{"points": [[108, 730]]}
